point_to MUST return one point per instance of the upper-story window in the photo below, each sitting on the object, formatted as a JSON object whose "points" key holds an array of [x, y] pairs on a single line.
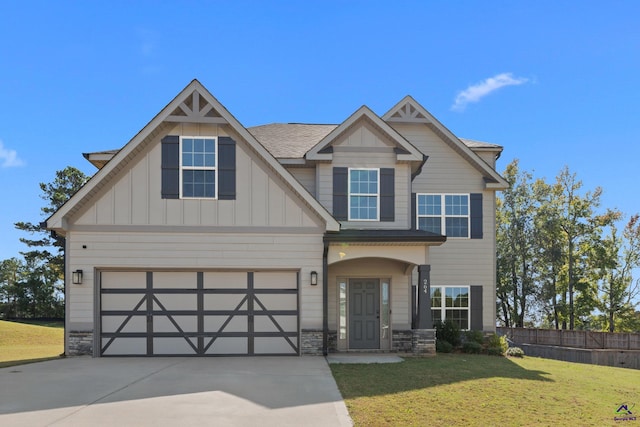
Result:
{"points": [[446, 214], [364, 194], [198, 166]]}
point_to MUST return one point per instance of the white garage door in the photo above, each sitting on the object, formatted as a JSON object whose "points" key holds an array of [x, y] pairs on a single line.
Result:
{"points": [[199, 313]]}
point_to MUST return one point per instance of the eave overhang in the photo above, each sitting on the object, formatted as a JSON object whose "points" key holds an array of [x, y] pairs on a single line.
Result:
{"points": [[396, 237]]}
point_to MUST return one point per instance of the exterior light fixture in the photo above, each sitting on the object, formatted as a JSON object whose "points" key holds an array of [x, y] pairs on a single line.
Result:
{"points": [[314, 278], [76, 277]]}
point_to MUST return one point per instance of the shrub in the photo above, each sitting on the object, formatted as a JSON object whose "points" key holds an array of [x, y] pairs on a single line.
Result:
{"points": [[474, 336], [443, 347], [495, 351], [448, 331], [499, 342], [472, 347], [515, 352]]}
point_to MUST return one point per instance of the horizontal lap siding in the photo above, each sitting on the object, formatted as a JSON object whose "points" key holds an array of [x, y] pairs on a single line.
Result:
{"points": [[196, 252], [457, 261], [306, 177]]}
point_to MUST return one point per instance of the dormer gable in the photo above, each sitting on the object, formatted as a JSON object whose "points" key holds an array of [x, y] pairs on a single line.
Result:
{"points": [[405, 151]]}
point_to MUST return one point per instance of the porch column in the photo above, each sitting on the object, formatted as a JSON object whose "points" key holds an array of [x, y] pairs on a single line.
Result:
{"points": [[424, 298]]}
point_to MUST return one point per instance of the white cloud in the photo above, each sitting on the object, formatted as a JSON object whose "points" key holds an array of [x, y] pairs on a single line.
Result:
{"points": [[9, 158], [475, 93]]}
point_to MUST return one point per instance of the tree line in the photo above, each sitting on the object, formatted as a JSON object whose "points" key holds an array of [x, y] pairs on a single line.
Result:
{"points": [[563, 262], [32, 286]]}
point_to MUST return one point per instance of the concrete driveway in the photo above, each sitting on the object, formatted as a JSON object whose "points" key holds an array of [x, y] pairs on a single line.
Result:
{"points": [[244, 391]]}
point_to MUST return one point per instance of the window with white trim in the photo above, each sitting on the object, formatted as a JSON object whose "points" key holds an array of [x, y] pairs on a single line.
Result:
{"points": [[198, 167], [450, 303], [364, 194], [446, 214]]}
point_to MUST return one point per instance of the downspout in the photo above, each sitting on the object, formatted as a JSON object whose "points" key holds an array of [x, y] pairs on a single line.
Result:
{"points": [[325, 299]]}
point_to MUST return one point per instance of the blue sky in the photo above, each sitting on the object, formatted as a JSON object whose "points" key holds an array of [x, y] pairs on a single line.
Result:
{"points": [[554, 82]]}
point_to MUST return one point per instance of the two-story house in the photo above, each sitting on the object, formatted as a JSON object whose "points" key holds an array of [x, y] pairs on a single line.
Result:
{"points": [[203, 237]]}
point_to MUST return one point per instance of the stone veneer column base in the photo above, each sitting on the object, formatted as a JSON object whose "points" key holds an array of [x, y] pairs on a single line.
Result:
{"points": [[80, 343], [423, 342], [401, 341], [311, 342]]}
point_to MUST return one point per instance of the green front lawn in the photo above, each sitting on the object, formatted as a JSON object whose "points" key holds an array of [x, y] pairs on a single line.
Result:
{"points": [[477, 390], [29, 342]]}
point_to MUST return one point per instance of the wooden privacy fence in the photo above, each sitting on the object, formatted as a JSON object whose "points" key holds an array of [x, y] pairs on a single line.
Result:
{"points": [[575, 339]]}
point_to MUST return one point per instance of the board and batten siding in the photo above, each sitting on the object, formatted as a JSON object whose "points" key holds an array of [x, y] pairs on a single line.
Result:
{"points": [[263, 199], [95, 251], [364, 147], [458, 261]]}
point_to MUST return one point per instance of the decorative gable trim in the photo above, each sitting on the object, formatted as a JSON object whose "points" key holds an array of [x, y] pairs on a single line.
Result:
{"points": [[408, 110], [196, 110], [323, 150]]}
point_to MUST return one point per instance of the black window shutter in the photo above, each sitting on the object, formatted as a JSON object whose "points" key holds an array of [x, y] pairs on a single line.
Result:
{"points": [[476, 308], [414, 202], [476, 215], [387, 194], [340, 196], [226, 168], [170, 164]]}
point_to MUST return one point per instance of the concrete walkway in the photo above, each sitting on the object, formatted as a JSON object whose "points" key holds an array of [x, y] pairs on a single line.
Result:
{"points": [[244, 391]]}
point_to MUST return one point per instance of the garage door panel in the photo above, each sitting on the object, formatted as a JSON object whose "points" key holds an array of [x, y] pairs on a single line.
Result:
{"points": [[276, 323], [235, 324], [229, 345], [124, 346], [199, 313], [175, 280], [175, 302], [277, 301], [122, 301], [166, 324], [172, 346], [273, 345], [130, 323], [225, 280], [225, 302], [124, 279]]}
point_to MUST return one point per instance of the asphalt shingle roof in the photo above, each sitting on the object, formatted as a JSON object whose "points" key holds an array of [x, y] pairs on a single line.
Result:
{"points": [[293, 140]]}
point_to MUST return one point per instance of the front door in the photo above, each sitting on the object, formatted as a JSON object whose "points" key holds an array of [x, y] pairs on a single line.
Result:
{"points": [[364, 313]]}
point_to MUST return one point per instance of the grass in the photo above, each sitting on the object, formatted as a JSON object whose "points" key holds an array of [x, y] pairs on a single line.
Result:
{"points": [[30, 342], [478, 390]]}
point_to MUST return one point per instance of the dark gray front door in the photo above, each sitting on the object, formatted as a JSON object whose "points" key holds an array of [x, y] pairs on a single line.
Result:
{"points": [[364, 313]]}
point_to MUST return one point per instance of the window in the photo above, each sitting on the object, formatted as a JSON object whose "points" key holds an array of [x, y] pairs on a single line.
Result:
{"points": [[450, 303], [364, 193], [452, 221], [198, 167]]}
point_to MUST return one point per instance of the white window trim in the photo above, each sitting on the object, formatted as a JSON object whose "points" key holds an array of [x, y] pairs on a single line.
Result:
{"points": [[213, 168], [443, 216], [349, 194], [443, 306]]}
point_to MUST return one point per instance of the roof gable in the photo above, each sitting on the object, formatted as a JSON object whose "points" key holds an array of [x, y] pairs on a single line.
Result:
{"points": [[322, 150], [408, 110], [194, 104]]}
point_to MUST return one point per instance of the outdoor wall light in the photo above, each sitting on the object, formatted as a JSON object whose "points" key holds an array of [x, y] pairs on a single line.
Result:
{"points": [[76, 277], [314, 278]]}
